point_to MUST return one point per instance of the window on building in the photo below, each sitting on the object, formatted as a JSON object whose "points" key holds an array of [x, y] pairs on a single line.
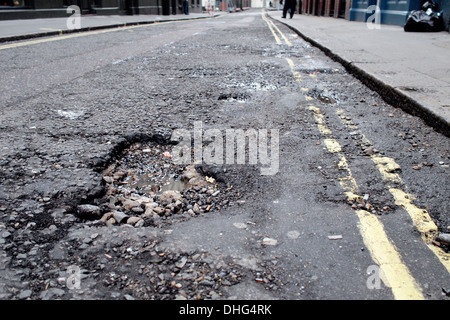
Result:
{"points": [[11, 3]]}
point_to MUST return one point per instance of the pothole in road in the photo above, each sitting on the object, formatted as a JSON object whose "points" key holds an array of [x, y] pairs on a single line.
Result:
{"points": [[324, 96], [146, 188], [234, 97]]}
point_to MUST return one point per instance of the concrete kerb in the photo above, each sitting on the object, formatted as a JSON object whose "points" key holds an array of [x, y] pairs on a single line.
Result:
{"points": [[391, 95], [93, 28]]}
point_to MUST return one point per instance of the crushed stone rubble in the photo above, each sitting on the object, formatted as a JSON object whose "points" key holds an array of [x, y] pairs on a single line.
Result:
{"points": [[145, 188]]}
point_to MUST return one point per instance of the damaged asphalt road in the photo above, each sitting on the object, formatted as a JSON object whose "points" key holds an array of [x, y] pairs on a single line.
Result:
{"points": [[86, 121]]}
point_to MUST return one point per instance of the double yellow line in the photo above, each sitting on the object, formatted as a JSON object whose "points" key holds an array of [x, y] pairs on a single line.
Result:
{"points": [[273, 27], [388, 168], [394, 272]]}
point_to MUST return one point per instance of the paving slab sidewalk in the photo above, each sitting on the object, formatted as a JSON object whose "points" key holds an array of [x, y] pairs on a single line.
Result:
{"points": [[410, 70], [12, 30]]}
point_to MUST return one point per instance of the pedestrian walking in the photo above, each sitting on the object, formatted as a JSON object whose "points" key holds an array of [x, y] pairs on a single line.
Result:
{"points": [[186, 6], [289, 5]]}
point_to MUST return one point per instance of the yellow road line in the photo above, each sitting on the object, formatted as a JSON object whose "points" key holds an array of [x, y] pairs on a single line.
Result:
{"points": [[277, 39], [291, 63], [50, 29], [296, 74], [421, 219], [272, 26], [69, 36], [393, 271], [318, 116], [332, 145], [281, 33], [396, 274], [84, 34]]}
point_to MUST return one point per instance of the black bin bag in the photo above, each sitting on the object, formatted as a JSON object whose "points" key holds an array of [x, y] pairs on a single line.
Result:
{"points": [[429, 19]]}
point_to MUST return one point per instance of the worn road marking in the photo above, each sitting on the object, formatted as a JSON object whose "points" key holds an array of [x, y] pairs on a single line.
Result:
{"points": [[87, 33], [281, 33], [51, 29], [277, 39], [388, 169], [296, 74], [68, 36], [318, 116], [384, 253], [273, 27], [396, 274]]}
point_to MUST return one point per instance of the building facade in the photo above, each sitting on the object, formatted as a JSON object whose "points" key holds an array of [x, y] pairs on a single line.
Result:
{"points": [[29, 9], [393, 12]]}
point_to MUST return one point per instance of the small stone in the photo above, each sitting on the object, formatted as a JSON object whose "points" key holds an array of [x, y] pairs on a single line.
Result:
{"points": [[51, 293], [130, 204], [106, 216], [215, 296], [190, 173], [137, 210], [444, 237], [25, 294], [159, 210], [120, 216], [178, 205], [196, 208], [269, 242], [369, 151], [181, 263], [88, 211], [149, 209], [145, 200], [216, 193], [133, 220], [170, 196], [6, 234]]}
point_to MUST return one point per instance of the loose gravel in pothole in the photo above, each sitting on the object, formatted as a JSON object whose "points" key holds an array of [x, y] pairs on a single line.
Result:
{"points": [[146, 188]]}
